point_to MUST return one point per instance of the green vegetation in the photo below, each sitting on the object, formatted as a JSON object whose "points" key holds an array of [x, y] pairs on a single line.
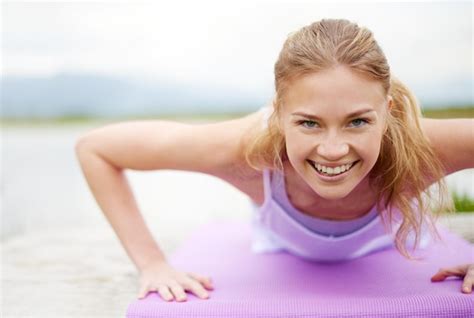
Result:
{"points": [[80, 120], [452, 112], [466, 111], [463, 203]]}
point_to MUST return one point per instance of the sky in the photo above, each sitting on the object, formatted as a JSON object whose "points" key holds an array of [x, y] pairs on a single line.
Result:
{"points": [[225, 43]]}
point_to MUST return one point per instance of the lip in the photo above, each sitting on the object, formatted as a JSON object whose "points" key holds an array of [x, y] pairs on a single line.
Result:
{"points": [[332, 178]]}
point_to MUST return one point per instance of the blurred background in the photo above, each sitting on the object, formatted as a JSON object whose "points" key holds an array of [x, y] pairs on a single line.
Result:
{"points": [[71, 66], [105, 59]]}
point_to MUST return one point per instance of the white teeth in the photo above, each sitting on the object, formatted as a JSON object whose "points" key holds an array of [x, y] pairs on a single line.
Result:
{"points": [[336, 170]]}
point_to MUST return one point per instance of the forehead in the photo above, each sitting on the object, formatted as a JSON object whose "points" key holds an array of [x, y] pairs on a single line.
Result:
{"points": [[336, 89]]}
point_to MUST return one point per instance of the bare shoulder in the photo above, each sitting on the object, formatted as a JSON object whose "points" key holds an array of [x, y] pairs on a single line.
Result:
{"points": [[452, 140], [237, 172]]}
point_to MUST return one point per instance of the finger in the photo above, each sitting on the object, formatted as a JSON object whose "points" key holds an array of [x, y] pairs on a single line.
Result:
{"points": [[468, 282], [143, 291], [178, 292], [165, 292], [443, 273], [196, 288], [206, 281], [440, 276]]}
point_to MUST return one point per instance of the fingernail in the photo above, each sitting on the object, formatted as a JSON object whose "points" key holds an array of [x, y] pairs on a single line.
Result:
{"points": [[466, 289]]}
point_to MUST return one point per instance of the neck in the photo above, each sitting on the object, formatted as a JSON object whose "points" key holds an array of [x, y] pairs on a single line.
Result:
{"points": [[356, 204]]}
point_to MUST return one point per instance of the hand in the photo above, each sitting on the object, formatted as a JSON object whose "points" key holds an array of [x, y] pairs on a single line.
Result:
{"points": [[466, 271], [170, 283]]}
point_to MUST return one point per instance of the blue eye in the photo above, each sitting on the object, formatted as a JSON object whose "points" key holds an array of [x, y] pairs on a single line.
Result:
{"points": [[307, 121], [360, 120]]}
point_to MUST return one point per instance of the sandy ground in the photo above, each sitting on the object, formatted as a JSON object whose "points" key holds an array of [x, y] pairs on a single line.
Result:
{"points": [[60, 258]]}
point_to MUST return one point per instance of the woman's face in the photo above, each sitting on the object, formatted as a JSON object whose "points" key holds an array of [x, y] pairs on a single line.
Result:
{"points": [[330, 146]]}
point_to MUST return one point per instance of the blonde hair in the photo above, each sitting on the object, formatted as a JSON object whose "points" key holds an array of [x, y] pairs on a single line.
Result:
{"points": [[406, 164]]}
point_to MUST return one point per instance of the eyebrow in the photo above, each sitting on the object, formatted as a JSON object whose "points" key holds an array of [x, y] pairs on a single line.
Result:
{"points": [[353, 114]]}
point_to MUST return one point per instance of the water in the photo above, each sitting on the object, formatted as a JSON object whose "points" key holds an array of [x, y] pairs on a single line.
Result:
{"points": [[43, 188]]}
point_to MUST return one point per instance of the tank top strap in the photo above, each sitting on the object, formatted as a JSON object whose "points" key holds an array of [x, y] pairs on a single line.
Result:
{"points": [[267, 186]]}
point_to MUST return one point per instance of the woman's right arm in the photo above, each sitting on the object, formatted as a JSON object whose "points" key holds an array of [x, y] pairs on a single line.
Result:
{"points": [[113, 194], [105, 153]]}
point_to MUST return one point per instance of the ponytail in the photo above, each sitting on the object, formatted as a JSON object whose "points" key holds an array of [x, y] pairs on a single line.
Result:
{"points": [[405, 167]]}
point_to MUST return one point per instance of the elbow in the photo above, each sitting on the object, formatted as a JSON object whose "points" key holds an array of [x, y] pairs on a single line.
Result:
{"points": [[83, 146], [87, 152]]}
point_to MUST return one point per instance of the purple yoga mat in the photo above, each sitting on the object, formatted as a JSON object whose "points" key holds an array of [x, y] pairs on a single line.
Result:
{"points": [[383, 284]]}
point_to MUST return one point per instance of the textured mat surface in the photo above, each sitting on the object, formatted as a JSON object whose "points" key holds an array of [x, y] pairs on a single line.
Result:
{"points": [[383, 284]]}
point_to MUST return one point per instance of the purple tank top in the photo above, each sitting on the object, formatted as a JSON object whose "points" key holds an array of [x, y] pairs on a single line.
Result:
{"points": [[278, 225], [317, 225]]}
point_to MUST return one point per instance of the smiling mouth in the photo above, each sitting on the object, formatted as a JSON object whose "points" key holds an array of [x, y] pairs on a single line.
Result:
{"points": [[313, 164]]}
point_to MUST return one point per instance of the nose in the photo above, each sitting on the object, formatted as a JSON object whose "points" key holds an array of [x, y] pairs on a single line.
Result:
{"points": [[332, 149]]}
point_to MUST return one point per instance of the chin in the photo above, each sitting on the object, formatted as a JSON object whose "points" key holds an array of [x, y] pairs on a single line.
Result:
{"points": [[333, 194]]}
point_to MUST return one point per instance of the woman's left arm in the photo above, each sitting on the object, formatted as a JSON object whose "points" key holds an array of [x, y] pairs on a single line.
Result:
{"points": [[452, 140]]}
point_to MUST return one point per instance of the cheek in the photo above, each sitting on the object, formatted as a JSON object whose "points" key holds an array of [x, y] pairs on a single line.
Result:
{"points": [[297, 146], [369, 147], [296, 153]]}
